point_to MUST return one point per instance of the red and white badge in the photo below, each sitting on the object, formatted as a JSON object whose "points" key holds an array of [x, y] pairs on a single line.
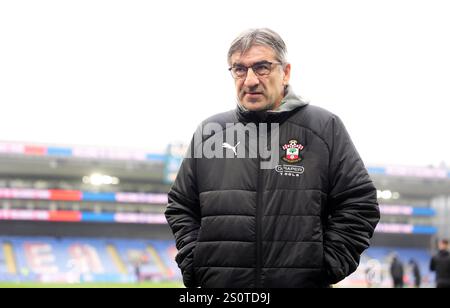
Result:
{"points": [[292, 149]]}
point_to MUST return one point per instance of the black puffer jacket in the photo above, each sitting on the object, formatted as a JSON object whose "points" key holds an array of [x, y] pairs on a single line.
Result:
{"points": [[237, 225], [440, 263]]}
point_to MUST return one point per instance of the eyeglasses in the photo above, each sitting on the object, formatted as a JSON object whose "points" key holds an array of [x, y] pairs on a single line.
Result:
{"points": [[262, 68]]}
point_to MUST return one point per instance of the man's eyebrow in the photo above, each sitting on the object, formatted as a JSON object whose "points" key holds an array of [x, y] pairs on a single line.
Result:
{"points": [[256, 63], [237, 64]]}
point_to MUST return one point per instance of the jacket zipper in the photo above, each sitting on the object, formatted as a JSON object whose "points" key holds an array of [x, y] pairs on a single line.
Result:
{"points": [[258, 227], [259, 214]]}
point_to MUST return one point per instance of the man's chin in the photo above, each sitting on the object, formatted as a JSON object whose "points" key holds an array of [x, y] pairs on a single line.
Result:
{"points": [[255, 106]]}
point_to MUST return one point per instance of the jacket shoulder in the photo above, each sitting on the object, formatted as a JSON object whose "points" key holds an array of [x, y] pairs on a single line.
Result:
{"points": [[214, 124], [221, 118], [313, 117]]}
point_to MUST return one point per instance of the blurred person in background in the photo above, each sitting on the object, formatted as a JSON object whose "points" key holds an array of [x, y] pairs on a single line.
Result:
{"points": [[373, 273], [440, 263], [415, 270], [302, 222], [397, 272], [137, 272]]}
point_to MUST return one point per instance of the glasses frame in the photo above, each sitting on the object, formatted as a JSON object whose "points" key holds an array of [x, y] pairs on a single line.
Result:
{"points": [[252, 67]]}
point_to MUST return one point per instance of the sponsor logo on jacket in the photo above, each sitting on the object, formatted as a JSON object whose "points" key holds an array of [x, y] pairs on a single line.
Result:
{"points": [[289, 170]]}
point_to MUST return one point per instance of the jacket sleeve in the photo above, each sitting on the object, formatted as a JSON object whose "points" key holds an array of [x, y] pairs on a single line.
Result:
{"points": [[352, 211], [183, 215], [433, 264]]}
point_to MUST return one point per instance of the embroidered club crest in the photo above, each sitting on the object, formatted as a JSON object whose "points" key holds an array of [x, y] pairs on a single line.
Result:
{"points": [[292, 149]]}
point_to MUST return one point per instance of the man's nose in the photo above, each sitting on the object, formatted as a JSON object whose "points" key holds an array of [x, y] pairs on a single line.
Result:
{"points": [[251, 79]]}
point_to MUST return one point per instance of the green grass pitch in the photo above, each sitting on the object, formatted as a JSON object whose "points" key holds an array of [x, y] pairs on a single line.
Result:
{"points": [[93, 285]]}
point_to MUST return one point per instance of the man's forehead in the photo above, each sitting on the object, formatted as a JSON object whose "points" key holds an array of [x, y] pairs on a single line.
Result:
{"points": [[256, 53]]}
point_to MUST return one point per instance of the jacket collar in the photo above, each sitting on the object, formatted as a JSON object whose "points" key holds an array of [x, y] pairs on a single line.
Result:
{"points": [[290, 102]]}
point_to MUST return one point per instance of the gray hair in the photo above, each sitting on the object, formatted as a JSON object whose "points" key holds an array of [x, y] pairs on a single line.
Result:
{"points": [[260, 36]]}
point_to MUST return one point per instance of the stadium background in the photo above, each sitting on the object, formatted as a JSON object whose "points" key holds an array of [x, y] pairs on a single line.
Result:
{"points": [[91, 216]]}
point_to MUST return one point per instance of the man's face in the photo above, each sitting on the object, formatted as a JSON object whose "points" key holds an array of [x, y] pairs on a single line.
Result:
{"points": [[443, 245], [257, 93]]}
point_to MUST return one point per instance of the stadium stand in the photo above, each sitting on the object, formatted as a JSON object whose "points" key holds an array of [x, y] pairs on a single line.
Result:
{"points": [[75, 260], [87, 214]]}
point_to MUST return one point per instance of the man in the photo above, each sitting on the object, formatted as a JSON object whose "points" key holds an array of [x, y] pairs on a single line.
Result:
{"points": [[397, 272], [301, 222], [415, 269], [440, 263]]}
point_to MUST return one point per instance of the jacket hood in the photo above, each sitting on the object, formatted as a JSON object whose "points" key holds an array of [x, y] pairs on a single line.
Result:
{"points": [[290, 102]]}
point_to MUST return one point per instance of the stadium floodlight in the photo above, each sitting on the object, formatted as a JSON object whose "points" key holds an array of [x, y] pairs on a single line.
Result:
{"points": [[98, 179], [386, 194], [378, 192]]}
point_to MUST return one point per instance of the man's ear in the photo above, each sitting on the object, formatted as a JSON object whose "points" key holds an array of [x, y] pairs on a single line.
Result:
{"points": [[287, 74]]}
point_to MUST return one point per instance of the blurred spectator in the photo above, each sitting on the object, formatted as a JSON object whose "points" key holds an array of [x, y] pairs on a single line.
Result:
{"points": [[440, 263], [397, 272], [373, 273], [137, 272], [415, 272]]}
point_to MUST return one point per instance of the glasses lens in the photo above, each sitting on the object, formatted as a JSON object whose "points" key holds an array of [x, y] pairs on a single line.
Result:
{"points": [[262, 69], [239, 71]]}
